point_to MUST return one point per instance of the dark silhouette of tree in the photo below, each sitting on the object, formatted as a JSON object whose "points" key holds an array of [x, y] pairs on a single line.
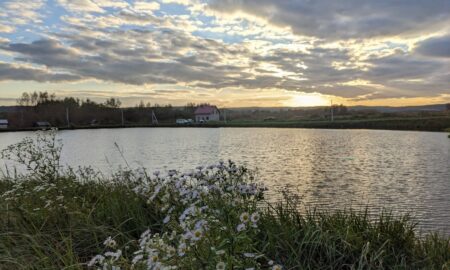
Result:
{"points": [[447, 106], [113, 103]]}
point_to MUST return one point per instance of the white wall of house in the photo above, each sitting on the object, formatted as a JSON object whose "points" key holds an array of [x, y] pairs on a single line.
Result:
{"points": [[208, 117]]}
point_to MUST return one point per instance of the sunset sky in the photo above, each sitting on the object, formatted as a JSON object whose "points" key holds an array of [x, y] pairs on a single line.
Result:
{"points": [[228, 52]]}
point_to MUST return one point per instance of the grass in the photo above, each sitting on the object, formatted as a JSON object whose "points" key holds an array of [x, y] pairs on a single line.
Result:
{"points": [[432, 123], [59, 219], [407, 123]]}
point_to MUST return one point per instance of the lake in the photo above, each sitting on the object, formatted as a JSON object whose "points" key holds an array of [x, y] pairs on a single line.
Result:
{"points": [[407, 172]]}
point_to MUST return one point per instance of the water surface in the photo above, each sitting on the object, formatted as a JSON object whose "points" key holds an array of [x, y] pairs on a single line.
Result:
{"points": [[331, 169]]}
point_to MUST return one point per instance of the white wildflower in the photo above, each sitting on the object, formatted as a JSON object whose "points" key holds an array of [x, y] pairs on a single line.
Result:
{"points": [[255, 217], [240, 227], [277, 267], [97, 259], [182, 248], [197, 234], [245, 217], [109, 242], [249, 255], [114, 255], [220, 266], [170, 252], [137, 258], [166, 219]]}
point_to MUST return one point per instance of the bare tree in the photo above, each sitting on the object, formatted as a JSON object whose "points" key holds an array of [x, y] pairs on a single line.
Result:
{"points": [[113, 103]]}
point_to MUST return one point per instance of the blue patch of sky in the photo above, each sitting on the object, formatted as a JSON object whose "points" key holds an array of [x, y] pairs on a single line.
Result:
{"points": [[172, 9], [6, 58], [392, 45], [52, 13]]}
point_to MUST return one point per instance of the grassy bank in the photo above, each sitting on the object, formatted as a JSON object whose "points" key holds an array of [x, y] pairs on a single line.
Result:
{"points": [[209, 218], [437, 123], [423, 123]]}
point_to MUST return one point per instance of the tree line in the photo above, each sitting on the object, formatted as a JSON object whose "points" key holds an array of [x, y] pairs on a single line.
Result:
{"points": [[60, 112]]}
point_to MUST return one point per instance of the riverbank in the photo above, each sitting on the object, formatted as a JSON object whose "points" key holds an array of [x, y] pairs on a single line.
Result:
{"points": [[213, 217], [416, 124]]}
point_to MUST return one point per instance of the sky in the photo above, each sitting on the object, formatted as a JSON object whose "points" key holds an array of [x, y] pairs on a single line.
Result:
{"points": [[233, 53]]}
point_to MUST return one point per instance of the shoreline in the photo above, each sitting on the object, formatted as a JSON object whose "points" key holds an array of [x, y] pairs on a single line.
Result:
{"points": [[433, 124]]}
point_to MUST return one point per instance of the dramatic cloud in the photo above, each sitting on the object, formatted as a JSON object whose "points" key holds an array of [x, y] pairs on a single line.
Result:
{"points": [[438, 47], [345, 19], [10, 72], [355, 50]]}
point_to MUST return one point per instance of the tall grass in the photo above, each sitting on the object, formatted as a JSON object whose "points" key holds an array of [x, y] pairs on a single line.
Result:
{"points": [[59, 218]]}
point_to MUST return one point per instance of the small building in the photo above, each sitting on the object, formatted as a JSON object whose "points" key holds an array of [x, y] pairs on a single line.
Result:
{"points": [[206, 113], [42, 124], [4, 123]]}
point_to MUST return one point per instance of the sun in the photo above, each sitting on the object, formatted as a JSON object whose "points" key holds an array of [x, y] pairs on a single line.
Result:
{"points": [[308, 100]]}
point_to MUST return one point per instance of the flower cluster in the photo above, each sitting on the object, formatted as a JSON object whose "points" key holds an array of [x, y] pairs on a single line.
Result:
{"points": [[209, 217]]}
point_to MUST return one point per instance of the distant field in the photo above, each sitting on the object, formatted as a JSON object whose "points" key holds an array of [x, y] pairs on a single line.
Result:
{"points": [[426, 124]]}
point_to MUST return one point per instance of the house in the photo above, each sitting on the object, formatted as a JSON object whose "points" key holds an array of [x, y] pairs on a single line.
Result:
{"points": [[206, 113], [3, 123], [42, 124]]}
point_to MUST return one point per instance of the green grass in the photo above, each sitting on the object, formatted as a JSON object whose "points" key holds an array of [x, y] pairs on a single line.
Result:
{"points": [[69, 237], [59, 219], [58, 237], [422, 123]]}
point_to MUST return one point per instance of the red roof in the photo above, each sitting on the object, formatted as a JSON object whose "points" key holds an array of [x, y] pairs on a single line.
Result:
{"points": [[205, 109]]}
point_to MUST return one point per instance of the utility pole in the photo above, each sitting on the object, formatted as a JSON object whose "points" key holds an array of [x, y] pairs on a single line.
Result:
{"points": [[123, 119], [154, 119], [332, 114], [67, 118], [21, 117]]}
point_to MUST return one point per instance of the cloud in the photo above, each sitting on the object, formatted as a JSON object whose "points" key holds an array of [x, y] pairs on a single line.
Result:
{"points": [[435, 47], [352, 49], [112, 3], [80, 6], [146, 6], [6, 29], [12, 72], [20, 12], [344, 19]]}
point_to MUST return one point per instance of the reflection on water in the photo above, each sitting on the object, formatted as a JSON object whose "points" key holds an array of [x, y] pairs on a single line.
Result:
{"points": [[400, 170]]}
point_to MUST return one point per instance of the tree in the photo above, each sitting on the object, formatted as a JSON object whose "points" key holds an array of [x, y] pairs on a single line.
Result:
{"points": [[113, 103], [24, 100], [447, 106]]}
